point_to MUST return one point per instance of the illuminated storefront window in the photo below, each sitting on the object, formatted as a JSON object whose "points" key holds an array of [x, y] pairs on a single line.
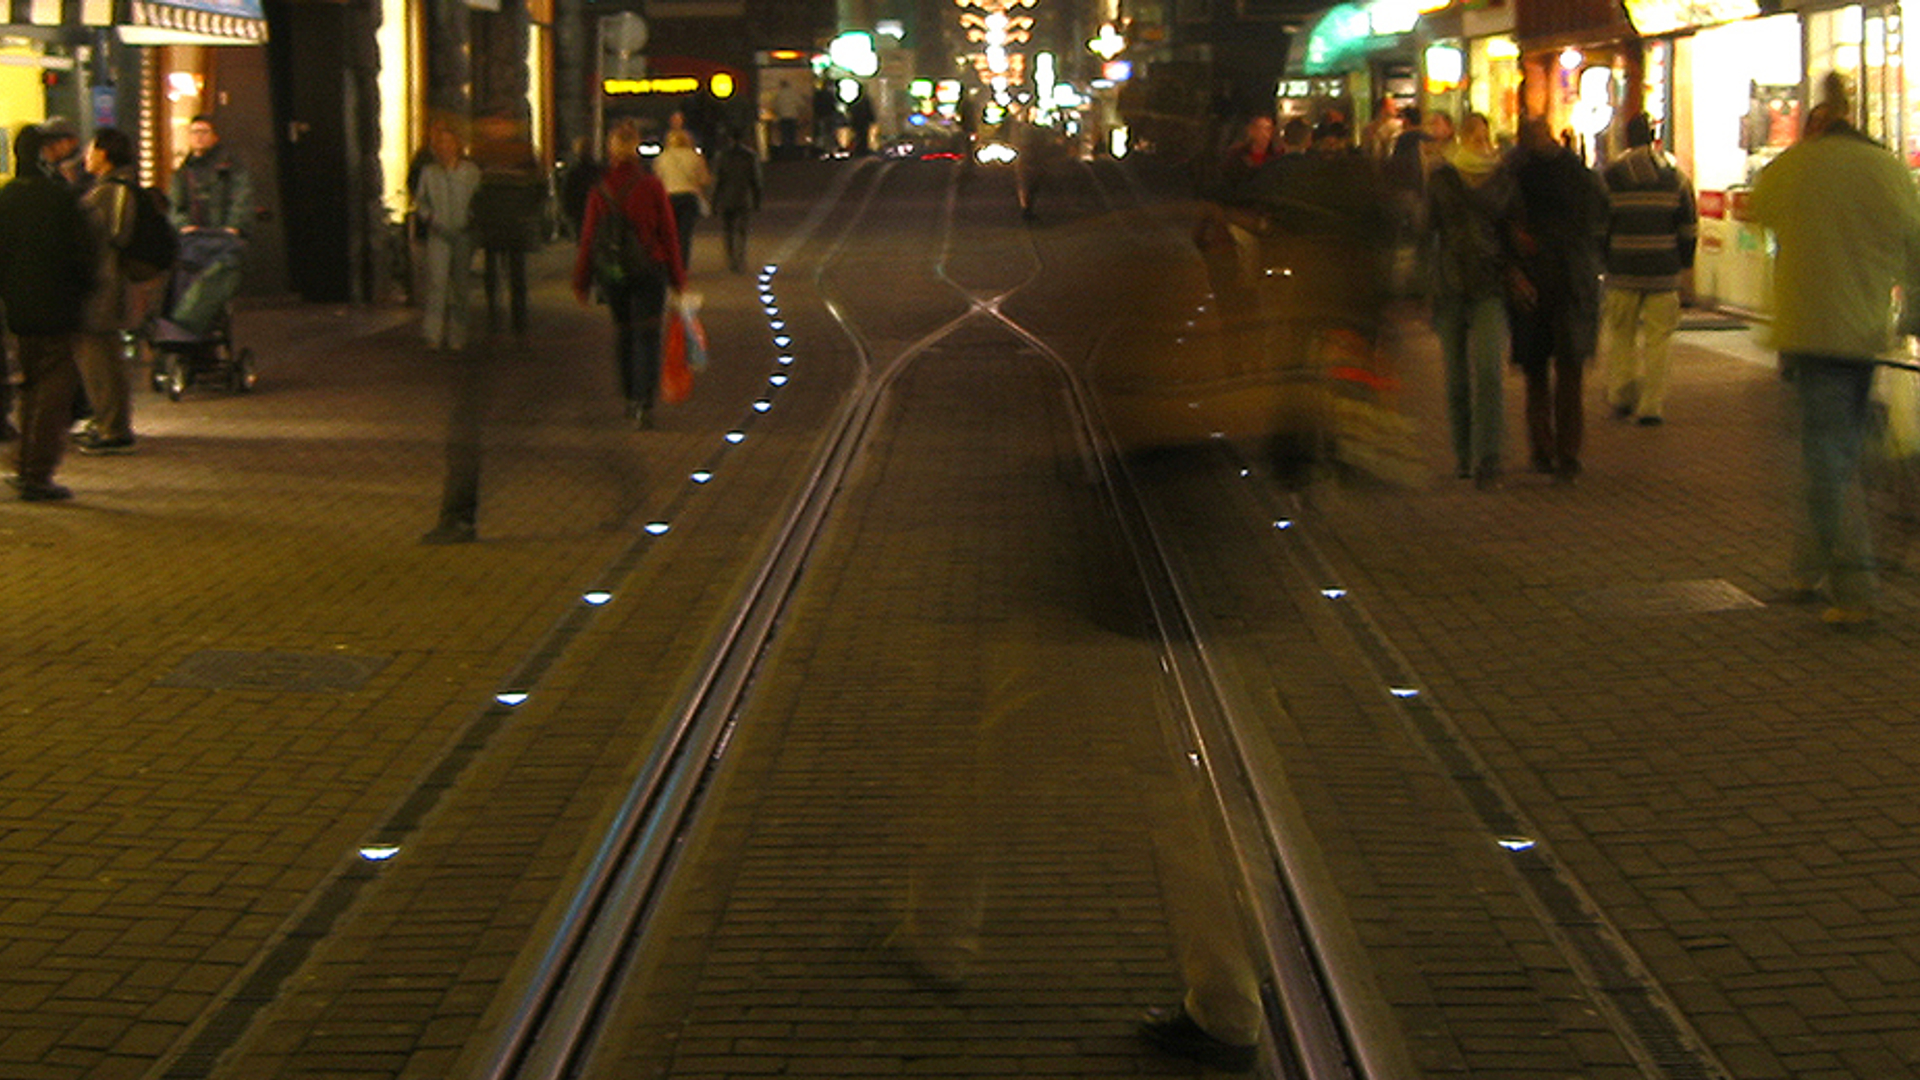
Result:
{"points": [[1494, 87], [1863, 46], [1746, 98]]}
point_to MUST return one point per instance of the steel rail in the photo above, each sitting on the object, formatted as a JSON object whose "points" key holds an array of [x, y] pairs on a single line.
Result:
{"points": [[1308, 1034], [547, 1027], [1371, 1036], [552, 1030]]}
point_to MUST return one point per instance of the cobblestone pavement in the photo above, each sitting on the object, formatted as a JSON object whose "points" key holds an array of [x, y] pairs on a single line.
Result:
{"points": [[1725, 776], [227, 660], [227, 666]]}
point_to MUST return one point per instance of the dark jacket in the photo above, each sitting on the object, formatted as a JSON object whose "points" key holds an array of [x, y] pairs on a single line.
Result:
{"points": [[736, 179], [213, 191], [1562, 231], [508, 208], [47, 254], [1471, 231], [1652, 223]]}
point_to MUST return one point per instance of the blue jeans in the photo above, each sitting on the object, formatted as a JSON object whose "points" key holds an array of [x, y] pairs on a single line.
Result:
{"points": [[1835, 546], [1473, 342]]}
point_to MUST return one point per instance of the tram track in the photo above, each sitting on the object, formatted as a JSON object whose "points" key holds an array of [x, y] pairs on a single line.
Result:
{"points": [[552, 1030], [1652, 1028]]}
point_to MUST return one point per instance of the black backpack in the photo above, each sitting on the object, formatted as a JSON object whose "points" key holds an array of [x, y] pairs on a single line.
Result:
{"points": [[153, 245], [619, 257]]}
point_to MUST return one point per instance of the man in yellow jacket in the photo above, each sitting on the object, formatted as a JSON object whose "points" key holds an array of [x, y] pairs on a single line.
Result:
{"points": [[1846, 221]]}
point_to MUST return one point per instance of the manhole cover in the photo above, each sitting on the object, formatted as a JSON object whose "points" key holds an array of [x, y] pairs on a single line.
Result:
{"points": [[1667, 598], [306, 673]]}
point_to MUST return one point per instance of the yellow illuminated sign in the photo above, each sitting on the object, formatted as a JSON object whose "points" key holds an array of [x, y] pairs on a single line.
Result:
{"points": [[668, 84], [721, 85]]}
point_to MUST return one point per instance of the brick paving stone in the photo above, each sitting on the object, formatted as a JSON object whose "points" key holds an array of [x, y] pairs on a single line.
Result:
{"points": [[1743, 854], [1732, 786]]}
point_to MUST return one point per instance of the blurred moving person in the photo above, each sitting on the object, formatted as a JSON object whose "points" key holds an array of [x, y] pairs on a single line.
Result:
{"points": [[1472, 207], [506, 212], [736, 194], [580, 173], [1556, 317], [443, 207], [629, 197], [1231, 219], [1651, 232], [1847, 223], [684, 173]]}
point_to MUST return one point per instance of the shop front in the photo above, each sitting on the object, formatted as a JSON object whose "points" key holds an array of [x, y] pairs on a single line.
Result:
{"points": [[1493, 65], [1363, 52], [187, 58], [1865, 47], [182, 58], [45, 66], [1470, 63], [1580, 68], [1735, 103]]}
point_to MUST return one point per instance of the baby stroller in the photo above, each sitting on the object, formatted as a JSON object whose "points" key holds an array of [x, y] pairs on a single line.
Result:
{"points": [[189, 338]]}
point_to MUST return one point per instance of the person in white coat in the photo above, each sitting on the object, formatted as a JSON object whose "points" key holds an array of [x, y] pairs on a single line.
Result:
{"points": [[687, 179], [443, 207]]}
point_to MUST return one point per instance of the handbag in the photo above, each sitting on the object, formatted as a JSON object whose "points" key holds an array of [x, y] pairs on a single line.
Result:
{"points": [[688, 308]]}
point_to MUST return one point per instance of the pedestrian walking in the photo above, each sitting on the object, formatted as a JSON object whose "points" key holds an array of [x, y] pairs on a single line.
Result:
{"points": [[443, 208], [1651, 232], [736, 195], [506, 213], [1846, 223], [860, 117], [1472, 208], [580, 173], [684, 173], [1556, 314], [118, 304], [46, 273], [826, 118], [629, 197], [789, 106]]}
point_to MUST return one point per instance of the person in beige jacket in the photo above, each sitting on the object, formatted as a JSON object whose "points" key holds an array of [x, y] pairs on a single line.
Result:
{"points": [[118, 305]]}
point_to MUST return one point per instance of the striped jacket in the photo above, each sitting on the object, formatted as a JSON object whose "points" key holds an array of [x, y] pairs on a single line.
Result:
{"points": [[1652, 223]]}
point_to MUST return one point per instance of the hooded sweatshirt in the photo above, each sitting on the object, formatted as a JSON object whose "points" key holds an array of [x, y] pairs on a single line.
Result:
{"points": [[1651, 222]]}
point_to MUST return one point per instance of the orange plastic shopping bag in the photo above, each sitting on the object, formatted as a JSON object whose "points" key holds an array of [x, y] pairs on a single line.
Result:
{"points": [[676, 378]]}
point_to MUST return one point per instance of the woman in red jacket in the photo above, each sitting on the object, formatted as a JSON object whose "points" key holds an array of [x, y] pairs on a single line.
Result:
{"points": [[635, 287]]}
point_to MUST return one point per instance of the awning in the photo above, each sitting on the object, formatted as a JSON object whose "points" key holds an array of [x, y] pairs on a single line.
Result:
{"points": [[1346, 36], [1654, 17], [26, 17], [194, 22]]}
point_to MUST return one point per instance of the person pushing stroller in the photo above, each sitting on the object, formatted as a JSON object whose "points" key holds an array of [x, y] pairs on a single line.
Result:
{"points": [[212, 195]]}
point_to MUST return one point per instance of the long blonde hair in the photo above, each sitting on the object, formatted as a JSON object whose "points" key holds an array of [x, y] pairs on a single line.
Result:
{"points": [[623, 140]]}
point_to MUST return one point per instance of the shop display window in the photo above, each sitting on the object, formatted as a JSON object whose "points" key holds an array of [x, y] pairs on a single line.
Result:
{"points": [[1493, 82], [1863, 46], [1746, 90]]}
